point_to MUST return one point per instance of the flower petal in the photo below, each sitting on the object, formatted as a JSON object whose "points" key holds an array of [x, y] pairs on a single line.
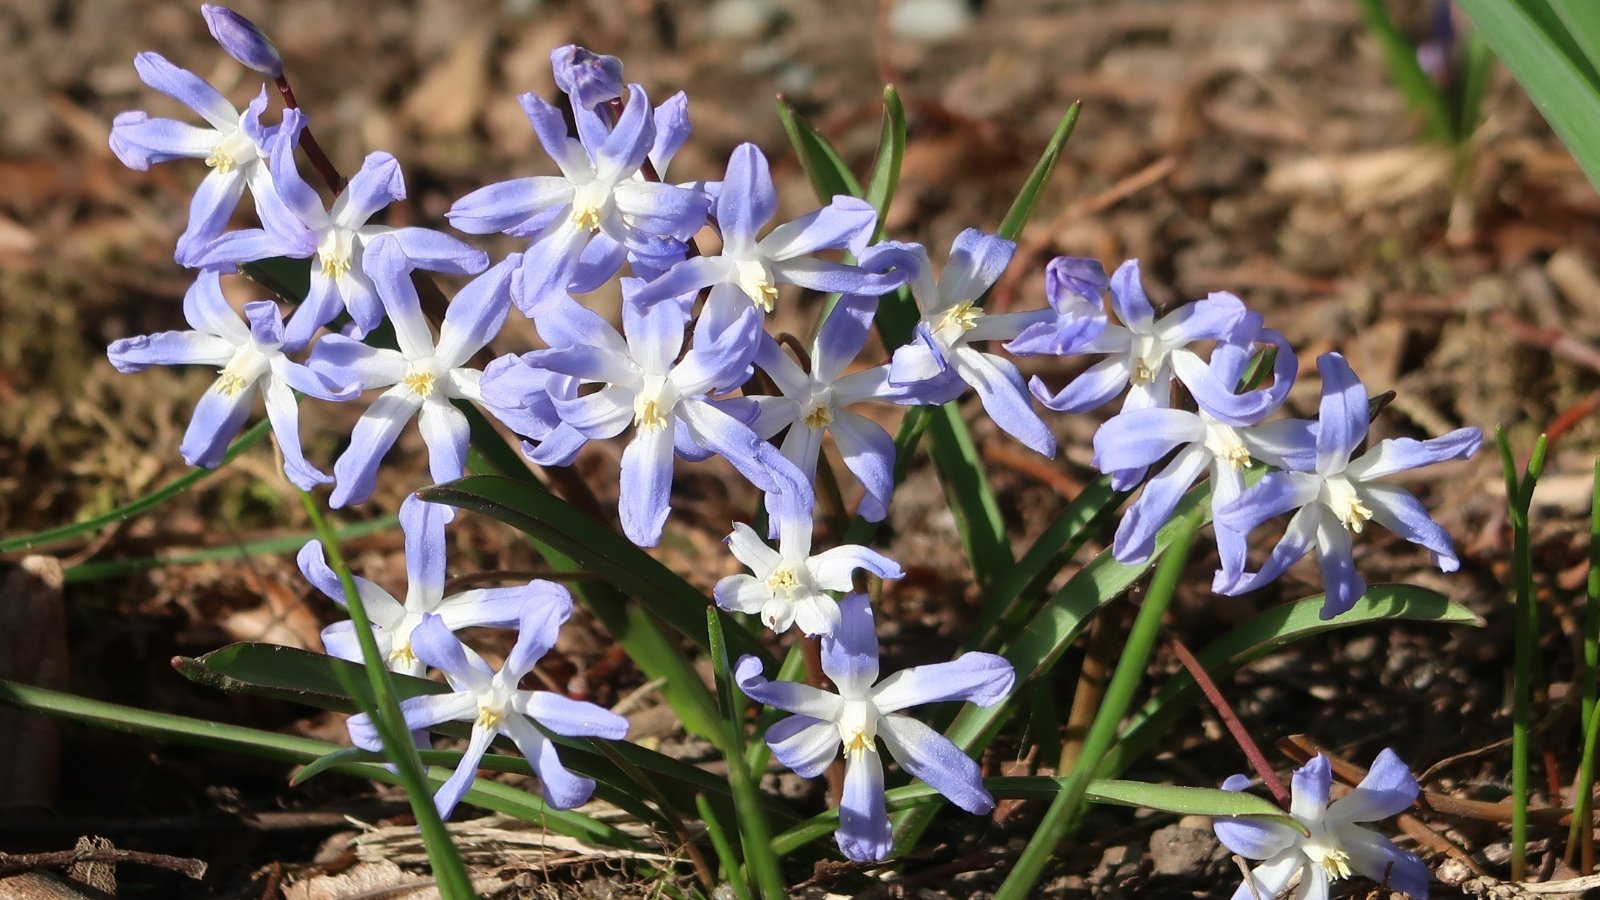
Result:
{"points": [[446, 433], [977, 260], [1388, 789], [355, 473], [981, 678], [1375, 857], [931, 756], [864, 833], [1399, 454], [747, 200], [460, 781], [804, 744], [850, 654], [559, 786], [646, 485], [789, 696], [1342, 415]]}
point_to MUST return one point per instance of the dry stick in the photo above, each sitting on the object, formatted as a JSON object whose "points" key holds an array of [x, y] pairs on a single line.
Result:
{"points": [[1252, 752], [1098, 657], [24, 862]]}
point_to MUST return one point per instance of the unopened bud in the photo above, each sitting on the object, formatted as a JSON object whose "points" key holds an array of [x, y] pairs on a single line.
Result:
{"points": [[243, 40], [587, 77]]}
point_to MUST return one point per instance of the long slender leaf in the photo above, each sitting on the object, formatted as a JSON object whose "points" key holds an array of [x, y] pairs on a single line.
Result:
{"points": [[299, 676], [290, 749], [821, 163], [1530, 39], [885, 177], [290, 543], [144, 504], [1180, 800], [1028, 198]]}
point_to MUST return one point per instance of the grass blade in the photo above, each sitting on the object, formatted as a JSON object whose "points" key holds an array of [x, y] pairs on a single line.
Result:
{"points": [[1419, 91], [1519, 498], [821, 163], [114, 568], [1028, 198]]}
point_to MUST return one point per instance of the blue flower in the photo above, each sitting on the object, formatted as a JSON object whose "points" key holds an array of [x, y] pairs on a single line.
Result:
{"points": [[394, 621], [862, 712], [245, 355], [298, 226], [815, 403], [1338, 495], [234, 146], [643, 382], [1329, 845], [583, 223], [747, 272], [494, 705], [241, 39], [589, 78], [1144, 353], [953, 321], [423, 376], [1205, 440]]}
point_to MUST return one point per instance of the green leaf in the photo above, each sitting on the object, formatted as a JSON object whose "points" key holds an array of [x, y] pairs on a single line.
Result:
{"points": [[1419, 91], [1162, 797], [891, 152], [291, 543], [1582, 21], [821, 163], [291, 749], [144, 504], [300, 676], [1028, 198], [594, 549], [1264, 633], [1550, 65]]}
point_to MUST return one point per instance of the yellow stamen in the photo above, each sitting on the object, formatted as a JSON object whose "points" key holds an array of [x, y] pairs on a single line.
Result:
{"points": [[1334, 861], [420, 383], [782, 579], [229, 384], [335, 266], [819, 417], [963, 317], [402, 655], [647, 416], [1143, 374], [490, 717], [220, 160]]}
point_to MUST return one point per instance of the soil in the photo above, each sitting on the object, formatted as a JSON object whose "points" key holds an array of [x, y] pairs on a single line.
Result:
{"points": [[1251, 146]]}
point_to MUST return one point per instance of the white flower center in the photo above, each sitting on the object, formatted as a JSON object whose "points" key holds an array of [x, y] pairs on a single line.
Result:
{"points": [[858, 725], [422, 381], [335, 252], [783, 580], [231, 151], [490, 715], [755, 279], [818, 417], [957, 321], [1332, 859], [589, 203], [1146, 356], [1341, 497], [244, 369], [1223, 441]]}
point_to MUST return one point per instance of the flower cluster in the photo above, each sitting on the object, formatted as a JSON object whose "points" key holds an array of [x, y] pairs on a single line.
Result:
{"points": [[678, 381]]}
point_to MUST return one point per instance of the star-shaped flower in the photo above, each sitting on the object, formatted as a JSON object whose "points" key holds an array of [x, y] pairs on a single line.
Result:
{"points": [[1329, 845], [862, 712], [789, 585]]}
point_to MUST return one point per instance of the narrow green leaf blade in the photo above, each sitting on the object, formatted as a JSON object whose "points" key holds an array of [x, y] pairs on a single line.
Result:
{"points": [[1550, 67], [821, 162], [1582, 21], [1028, 198], [885, 177]]}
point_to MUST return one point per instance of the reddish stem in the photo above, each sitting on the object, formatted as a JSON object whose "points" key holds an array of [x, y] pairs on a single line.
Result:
{"points": [[1258, 760], [308, 142]]}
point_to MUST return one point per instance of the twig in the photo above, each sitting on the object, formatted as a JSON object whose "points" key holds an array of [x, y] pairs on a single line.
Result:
{"points": [[308, 142], [24, 862], [1252, 752]]}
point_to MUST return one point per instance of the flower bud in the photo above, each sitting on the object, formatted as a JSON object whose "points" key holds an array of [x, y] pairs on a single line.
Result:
{"points": [[242, 40], [587, 77]]}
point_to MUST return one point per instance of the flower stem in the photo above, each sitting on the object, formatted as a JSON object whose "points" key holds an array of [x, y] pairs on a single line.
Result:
{"points": [[1519, 497], [308, 142], [1252, 752]]}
